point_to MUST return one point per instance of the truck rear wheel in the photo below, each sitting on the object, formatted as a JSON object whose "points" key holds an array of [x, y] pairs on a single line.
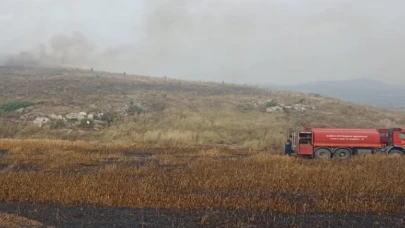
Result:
{"points": [[342, 154], [396, 152], [322, 153]]}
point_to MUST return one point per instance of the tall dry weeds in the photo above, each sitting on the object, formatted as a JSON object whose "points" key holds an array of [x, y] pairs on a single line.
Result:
{"points": [[205, 179]]}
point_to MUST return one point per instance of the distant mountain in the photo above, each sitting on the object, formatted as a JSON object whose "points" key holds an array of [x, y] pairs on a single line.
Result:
{"points": [[361, 91]]}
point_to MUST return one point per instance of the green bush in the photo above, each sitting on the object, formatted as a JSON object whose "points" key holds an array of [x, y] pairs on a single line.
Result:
{"points": [[271, 104], [13, 106], [134, 110], [58, 124], [109, 117]]}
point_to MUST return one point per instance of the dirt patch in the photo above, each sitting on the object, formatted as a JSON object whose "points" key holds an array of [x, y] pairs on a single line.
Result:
{"points": [[12, 220], [93, 216]]}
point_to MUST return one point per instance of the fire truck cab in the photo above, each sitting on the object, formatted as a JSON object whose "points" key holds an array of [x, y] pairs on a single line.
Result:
{"points": [[393, 139]]}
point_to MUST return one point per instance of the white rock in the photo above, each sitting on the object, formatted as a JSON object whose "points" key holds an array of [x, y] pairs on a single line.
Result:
{"points": [[40, 121], [20, 110], [90, 116], [274, 109], [301, 107], [32, 116], [98, 122], [56, 117], [76, 116]]}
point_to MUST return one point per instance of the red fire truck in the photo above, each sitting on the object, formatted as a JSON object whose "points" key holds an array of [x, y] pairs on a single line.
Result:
{"points": [[342, 143]]}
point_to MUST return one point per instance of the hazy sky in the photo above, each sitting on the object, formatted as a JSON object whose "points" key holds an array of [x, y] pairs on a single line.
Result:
{"points": [[243, 41]]}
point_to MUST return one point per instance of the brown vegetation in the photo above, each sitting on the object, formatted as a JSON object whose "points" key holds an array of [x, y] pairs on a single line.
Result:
{"points": [[205, 146], [190, 114], [111, 175]]}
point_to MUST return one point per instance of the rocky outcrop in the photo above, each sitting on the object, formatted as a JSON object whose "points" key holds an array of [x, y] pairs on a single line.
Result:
{"points": [[294, 107], [76, 116], [40, 121], [32, 116], [274, 109], [55, 117], [20, 110]]}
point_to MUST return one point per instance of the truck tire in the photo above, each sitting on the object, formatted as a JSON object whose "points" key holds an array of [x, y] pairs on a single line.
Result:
{"points": [[322, 153], [342, 154], [395, 152]]}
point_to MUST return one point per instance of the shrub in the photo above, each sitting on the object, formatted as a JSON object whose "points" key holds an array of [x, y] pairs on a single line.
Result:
{"points": [[13, 106], [8, 129], [272, 103], [86, 123], [158, 106], [134, 110], [109, 117], [246, 108], [58, 124]]}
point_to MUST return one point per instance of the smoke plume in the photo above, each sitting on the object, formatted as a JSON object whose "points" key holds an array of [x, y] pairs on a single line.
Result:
{"points": [[243, 41]]}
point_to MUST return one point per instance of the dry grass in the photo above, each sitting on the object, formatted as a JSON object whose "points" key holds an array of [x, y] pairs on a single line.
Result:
{"points": [[208, 148], [211, 178], [195, 114]]}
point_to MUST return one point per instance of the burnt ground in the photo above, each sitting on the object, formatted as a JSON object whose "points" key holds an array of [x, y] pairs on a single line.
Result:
{"points": [[58, 215]]}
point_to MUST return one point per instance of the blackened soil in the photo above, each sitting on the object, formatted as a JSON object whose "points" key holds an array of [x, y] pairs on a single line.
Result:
{"points": [[3, 166], [137, 154], [92, 216], [3, 152], [26, 167]]}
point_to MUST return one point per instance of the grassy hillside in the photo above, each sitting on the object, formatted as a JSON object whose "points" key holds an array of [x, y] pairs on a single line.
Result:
{"points": [[164, 112]]}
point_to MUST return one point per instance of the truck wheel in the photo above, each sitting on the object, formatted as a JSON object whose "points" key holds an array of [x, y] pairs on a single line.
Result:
{"points": [[323, 153], [342, 154], [396, 153]]}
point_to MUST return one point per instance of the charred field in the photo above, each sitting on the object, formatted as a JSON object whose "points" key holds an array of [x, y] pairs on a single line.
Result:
{"points": [[172, 153], [70, 184], [57, 215]]}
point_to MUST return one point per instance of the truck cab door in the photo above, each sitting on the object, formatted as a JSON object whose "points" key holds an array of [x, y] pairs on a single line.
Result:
{"points": [[398, 138], [305, 143]]}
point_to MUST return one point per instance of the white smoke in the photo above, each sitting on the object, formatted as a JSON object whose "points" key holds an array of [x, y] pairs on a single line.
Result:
{"points": [[246, 41]]}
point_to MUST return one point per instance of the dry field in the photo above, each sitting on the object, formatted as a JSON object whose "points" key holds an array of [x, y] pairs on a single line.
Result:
{"points": [[206, 155], [85, 173]]}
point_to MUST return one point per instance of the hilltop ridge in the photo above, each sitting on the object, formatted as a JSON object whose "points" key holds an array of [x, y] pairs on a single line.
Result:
{"points": [[362, 91]]}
